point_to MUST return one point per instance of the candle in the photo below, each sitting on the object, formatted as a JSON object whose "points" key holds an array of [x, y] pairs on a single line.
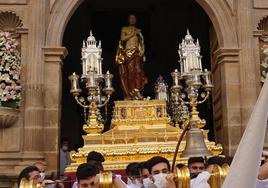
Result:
{"points": [[74, 79], [200, 64], [207, 78], [175, 75], [108, 80]]}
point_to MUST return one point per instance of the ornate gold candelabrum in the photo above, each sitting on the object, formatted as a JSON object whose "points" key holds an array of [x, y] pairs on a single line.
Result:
{"points": [[92, 101], [92, 77], [192, 87]]}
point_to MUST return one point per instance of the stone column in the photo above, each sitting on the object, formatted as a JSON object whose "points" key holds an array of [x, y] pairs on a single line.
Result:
{"points": [[32, 134], [226, 98], [52, 98], [248, 80]]}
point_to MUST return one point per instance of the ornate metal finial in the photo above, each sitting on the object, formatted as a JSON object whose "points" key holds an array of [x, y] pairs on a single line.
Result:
{"points": [[91, 57], [84, 44], [190, 58], [99, 45], [188, 37], [161, 89], [91, 41]]}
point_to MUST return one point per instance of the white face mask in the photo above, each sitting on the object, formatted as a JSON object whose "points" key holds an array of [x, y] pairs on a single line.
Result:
{"points": [[138, 183], [65, 148], [148, 183], [160, 180], [42, 176]]}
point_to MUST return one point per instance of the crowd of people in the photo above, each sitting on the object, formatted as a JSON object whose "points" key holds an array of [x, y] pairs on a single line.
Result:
{"points": [[154, 173]]}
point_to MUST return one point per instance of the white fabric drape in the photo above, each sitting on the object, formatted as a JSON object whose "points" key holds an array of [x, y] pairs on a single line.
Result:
{"points": [[245, 165]]}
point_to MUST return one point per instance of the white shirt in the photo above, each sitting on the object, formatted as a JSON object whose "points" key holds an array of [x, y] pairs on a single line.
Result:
{"points": [[262, 183], [130, 184], [75, 185], [133, 186], [64, 161], [201, 180]]}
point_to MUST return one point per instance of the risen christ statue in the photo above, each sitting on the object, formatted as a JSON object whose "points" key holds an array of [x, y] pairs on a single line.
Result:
{"points": [[129, 58]]}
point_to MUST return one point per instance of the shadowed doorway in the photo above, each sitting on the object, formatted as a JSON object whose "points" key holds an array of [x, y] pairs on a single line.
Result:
{"points": [[163, 24]]}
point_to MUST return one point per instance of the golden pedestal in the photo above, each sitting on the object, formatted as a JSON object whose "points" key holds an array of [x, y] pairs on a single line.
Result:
{"points": [[139, 131]]}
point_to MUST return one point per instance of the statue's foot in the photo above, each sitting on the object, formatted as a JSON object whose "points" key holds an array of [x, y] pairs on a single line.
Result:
{"points": [[136, 95]]}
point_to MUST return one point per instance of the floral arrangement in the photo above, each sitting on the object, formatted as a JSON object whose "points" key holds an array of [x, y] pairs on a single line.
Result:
{"points": [[10, 89]]}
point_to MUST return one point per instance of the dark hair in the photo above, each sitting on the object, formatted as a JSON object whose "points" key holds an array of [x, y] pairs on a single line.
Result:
{"points": [[156, 160], [216, 160], [64, 141], [228, 160], [25, 173], [180, 165], [97, 164], [96, 156], [143, 165], [192, 160], [85, 171], [133, 170]]}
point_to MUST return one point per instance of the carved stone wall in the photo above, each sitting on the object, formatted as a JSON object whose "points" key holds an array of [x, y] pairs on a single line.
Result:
{"points": [[235, 65]]}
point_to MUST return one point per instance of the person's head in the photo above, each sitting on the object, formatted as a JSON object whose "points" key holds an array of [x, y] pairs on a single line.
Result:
{"points": [[96, 158], [180, 165], [30, 173], [85, 175], [65, 144], [144, 171], [196, 165], [41, 165], [215, 160], [132, 20], [133, 173], [158, 165], [146, 178]]}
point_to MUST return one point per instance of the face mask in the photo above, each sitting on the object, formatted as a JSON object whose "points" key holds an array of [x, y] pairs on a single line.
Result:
{"points": [[148, 183], [42, 176], [64, 148], [160, 180], [138, 183], [129, 181]]}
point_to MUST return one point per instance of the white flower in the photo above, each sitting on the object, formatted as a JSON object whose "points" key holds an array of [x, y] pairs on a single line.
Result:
{"points": [[9, 68]]}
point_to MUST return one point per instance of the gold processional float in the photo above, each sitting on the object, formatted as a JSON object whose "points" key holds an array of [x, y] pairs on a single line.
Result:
{"points": [[141, 129]]}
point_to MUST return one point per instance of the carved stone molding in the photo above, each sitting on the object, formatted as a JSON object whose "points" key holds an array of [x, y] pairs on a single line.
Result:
{"points": [[13, 2], [9, 21], [225, 55], [263, 24], [8, 117], [54, 54]]}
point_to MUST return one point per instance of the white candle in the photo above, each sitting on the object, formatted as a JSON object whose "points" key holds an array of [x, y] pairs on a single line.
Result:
{"points": [[200, 64], [100, 65]]}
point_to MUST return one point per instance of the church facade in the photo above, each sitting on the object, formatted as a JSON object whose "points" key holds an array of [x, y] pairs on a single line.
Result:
{"points": [[238, 39]]}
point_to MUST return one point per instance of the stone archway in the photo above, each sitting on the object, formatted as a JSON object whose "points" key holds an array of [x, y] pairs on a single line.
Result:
{"points": [[54, 52], [224, 61]]}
